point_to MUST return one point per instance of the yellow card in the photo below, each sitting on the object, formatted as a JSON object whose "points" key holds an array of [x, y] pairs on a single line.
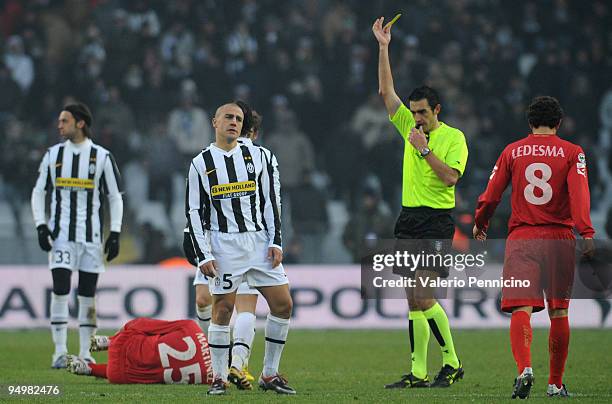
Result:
{"points": [[390, 23]]}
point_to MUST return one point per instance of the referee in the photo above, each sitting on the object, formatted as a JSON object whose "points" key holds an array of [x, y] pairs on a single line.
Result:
{"points": [[435, 155]]}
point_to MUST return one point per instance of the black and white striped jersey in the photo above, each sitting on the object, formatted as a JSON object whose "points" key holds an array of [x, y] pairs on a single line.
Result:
{"points": [[232, 192], [78, 175]]}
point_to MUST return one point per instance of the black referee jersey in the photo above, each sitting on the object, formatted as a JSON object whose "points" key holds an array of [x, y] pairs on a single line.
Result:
{"points": [[232, 192], [78, 176]]}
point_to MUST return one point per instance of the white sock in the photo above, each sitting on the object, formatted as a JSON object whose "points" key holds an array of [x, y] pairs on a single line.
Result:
{"points": [[219, 343], [244, 332], [59, 322], [276, 335], [204, 316], [87, 324]]}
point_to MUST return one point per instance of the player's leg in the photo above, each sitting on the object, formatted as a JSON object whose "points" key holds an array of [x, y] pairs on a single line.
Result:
{"points": [[520, 341], [560, 272], [277, 328], [219, 338], [87, 312], [244, 327], [203, 305], [558, 346], [59, 315], [91, 265]]}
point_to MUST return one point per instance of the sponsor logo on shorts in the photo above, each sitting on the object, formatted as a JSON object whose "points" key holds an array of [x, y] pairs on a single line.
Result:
{"points": [[74, 184], [233, 190]]}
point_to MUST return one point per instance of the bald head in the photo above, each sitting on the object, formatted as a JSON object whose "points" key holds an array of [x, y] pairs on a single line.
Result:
{"points": [[229, 106], [228, 122]]}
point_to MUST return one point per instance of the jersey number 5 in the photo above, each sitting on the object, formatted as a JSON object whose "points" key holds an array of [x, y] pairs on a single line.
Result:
{"points": [[166, 351], [538, 182]]}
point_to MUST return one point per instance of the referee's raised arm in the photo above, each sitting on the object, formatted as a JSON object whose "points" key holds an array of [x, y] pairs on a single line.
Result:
{"points": [[385, 78]]}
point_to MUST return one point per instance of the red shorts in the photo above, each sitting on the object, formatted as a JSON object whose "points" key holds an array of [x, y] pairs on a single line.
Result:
{"points": [[545, 256]]}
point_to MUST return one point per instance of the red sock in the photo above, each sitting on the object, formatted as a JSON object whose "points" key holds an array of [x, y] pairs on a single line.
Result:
{"points": [[98, 370], [520, 339], [558, 344]]}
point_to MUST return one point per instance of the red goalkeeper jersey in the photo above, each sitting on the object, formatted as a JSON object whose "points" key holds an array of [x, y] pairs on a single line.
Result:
{"points": [[549, 185], [156, 351]]}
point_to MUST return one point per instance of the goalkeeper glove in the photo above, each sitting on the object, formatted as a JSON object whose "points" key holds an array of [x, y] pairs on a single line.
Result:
{"points": [[111, 248], [43, 237]]}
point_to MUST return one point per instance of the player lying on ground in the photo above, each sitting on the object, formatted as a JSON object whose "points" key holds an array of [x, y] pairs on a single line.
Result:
{"points": [[550, 196], [150, 351]]}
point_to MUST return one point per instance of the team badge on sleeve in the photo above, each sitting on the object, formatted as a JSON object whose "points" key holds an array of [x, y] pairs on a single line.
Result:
{"points": [[581, 164]]}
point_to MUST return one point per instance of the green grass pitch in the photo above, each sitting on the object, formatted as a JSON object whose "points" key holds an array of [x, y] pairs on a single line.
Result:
{"points": [[335, 366]]}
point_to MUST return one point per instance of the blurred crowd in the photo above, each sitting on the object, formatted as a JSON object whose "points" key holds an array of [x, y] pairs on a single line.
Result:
{"points": [[154, 71]]}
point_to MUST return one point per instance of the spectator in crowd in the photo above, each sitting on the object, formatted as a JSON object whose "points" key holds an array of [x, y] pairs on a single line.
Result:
{"points": [[189, 125], [370, 223], [19, 63]]}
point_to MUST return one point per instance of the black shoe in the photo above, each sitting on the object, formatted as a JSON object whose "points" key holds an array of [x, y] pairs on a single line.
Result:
{"points": [[554, 391], [409, 381], [522, 384], [218, 387], [275, 383], [448, 375]]}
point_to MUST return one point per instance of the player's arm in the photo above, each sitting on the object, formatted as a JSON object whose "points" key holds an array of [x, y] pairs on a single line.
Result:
{"points": [[385, 78], [196, 199], [43, 184], [580, 198], [112, 185], [271, 194], [490, 198]]}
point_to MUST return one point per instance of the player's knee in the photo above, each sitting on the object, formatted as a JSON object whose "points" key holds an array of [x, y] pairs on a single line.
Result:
{"points": [[222, 312], [203, 300], [554, 313], [282, 308]]}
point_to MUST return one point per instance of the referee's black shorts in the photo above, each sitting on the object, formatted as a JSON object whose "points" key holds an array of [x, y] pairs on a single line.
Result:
{"points": [[432, 231]]}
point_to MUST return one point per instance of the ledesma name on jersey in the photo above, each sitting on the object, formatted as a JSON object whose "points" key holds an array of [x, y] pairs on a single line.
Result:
{"points": [[233, 190], [75, 184]]}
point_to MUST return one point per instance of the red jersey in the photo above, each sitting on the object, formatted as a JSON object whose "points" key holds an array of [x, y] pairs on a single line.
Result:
{"points": [[549, 185], [156, 351]]}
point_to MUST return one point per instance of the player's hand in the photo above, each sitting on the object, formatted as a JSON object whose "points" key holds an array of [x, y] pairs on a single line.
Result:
{"points": [[479, 234], [209, 269], [382, 34], [417, 138], [43, 237], [111, 247], [188, 249], [276, 255], [588, 250]]}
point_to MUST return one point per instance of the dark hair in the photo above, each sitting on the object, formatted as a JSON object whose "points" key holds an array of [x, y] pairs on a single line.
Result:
{"points": [[81, 112], [425, 92], [257, 119], [247, 122], [544, 111]]}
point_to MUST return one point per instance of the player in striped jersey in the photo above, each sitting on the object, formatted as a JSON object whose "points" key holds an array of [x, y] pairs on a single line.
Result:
{"points": [[246, 297], [77, 173], [233, 213]]}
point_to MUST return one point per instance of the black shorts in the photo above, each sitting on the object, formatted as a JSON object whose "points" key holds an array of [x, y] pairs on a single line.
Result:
{"points": [[425, 230]]}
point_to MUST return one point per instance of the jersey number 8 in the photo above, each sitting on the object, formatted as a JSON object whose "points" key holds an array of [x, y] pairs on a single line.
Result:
{"points": [[538, 182]]}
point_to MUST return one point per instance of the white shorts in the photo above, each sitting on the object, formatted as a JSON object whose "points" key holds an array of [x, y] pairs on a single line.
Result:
{"points": [[86, 257], [243, 289], [243, 257]]}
